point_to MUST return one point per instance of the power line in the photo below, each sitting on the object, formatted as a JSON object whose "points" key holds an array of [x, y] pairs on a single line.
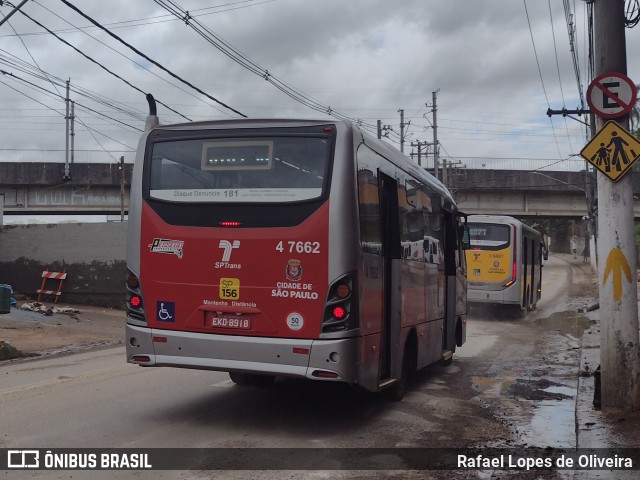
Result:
{"points": [[60, 96], [98, 63], [131, 47], [159, 18], [555, 49], [234, 54], [540, 73], [144, 67]]}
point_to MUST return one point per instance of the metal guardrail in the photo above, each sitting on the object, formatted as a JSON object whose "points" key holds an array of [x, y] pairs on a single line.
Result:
{"points": [[574, 164]]}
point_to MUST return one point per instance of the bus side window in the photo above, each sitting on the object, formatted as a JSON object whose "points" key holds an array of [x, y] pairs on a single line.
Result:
{"points": [[369, 201], [411, 221], [433, 234]]}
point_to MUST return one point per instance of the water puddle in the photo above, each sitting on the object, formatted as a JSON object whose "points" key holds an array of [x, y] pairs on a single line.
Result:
{"points": [[568, 323], [552, 425], [542, 389]]}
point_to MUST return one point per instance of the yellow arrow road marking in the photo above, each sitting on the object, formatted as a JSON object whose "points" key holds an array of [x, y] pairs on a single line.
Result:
{"points": [[616, 264]]}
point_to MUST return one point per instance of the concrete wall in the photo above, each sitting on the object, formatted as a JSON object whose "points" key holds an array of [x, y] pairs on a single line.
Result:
{"points": [[93, 254]]}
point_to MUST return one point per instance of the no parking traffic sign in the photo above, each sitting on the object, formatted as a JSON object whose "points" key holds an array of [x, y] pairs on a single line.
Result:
{"points": [[611, 95]]}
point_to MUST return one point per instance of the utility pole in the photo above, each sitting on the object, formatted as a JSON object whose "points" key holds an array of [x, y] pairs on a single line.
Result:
{"points": [[619, 351], [72, 133], [402, 125], [434, 111], [121, 171], [419, 146], [436, 149], [445, 172], [67, 117], [383, 130]]}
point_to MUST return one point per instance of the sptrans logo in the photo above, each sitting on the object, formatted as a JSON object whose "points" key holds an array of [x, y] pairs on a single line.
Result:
{"points": [[227, 247]]}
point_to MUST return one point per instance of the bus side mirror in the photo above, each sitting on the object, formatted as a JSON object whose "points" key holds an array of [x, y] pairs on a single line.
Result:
{"points": [[465, 237]]}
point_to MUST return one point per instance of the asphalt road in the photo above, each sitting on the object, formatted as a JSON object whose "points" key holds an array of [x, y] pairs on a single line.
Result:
{"points": [[513, 384]]}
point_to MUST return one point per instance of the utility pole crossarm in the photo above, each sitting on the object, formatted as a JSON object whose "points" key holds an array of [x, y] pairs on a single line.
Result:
{"points": [[564, 112], [8, 16]]}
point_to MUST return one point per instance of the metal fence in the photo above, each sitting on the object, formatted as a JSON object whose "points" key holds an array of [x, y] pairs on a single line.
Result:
{"points": [[573, 164]]}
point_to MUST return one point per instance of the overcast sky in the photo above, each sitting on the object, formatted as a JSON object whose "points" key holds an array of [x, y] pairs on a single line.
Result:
{"points": [[365, 59]]}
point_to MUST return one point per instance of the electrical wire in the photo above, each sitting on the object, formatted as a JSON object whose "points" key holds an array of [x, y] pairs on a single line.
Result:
{"points": [[58, 96], [158, 18], [56, 81], [573, 48], [138, 52], [98, 63], [540, 74], [632, 13], [144, 67], [234, 54], [555, 49]]}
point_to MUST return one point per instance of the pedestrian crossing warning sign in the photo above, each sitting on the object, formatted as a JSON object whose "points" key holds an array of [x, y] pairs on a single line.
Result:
{"points": [[613, 150]]}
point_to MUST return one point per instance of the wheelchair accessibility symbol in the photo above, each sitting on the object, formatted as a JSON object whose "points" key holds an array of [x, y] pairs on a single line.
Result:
{"points": [[165, 311]]}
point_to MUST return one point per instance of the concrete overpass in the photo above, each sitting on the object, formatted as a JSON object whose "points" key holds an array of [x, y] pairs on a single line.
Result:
{"points": [[40, 189], [94, 188]]}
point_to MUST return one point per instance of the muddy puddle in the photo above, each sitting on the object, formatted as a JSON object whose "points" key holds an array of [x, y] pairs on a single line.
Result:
{"points": [[531, 383], [570, 323]]}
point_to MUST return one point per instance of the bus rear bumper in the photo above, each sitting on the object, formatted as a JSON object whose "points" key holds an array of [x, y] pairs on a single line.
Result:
{"points": [[489, 296], [334, 359]]}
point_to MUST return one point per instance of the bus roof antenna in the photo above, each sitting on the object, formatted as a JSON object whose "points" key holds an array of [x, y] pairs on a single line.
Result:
{"points": [[152, 119]]}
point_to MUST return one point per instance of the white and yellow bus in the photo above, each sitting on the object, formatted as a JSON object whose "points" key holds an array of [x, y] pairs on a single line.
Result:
{"points": [[504, 264]]}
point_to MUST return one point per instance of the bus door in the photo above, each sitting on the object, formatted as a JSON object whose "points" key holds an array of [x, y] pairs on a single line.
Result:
{"points": [[525, 274], [454, 281], [389, 223]]}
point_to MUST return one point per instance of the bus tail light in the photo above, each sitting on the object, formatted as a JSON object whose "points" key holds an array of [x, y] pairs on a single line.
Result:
{"points": [[514, 264], [339, 312], [341, 308], [230, 223], [135, 304], [324, 374], [140, 359], [135, 301]]}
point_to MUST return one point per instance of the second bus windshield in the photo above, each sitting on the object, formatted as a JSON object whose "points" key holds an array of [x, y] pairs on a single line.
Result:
{"points": [[489, 235]]}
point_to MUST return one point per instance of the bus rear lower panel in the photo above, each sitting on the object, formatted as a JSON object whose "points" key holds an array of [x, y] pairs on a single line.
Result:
{"points": [[313, 359], [505, 296]]}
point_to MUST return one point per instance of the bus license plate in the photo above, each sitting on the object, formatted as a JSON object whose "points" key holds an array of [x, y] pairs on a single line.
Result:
{"points": [[238, 323]]}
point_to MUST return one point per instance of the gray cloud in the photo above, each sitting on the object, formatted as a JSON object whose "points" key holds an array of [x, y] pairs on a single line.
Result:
{"points": [[365, 58]]}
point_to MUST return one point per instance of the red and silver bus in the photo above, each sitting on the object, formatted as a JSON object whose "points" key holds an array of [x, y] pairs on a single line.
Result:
{"points": [[269, 248]]}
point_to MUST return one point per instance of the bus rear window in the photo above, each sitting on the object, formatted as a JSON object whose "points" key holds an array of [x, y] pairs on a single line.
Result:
{"points": [[489, 235], [239, 170]]}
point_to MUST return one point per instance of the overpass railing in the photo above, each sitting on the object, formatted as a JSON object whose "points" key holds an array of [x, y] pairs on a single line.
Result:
{"points": [[573, 164]]}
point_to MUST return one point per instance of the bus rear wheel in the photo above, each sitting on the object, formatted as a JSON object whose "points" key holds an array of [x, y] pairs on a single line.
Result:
{"points": [[399, 389], [251, 379]]}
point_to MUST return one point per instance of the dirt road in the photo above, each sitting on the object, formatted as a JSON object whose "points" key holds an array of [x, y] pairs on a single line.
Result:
{"points": [[35, 334]]}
